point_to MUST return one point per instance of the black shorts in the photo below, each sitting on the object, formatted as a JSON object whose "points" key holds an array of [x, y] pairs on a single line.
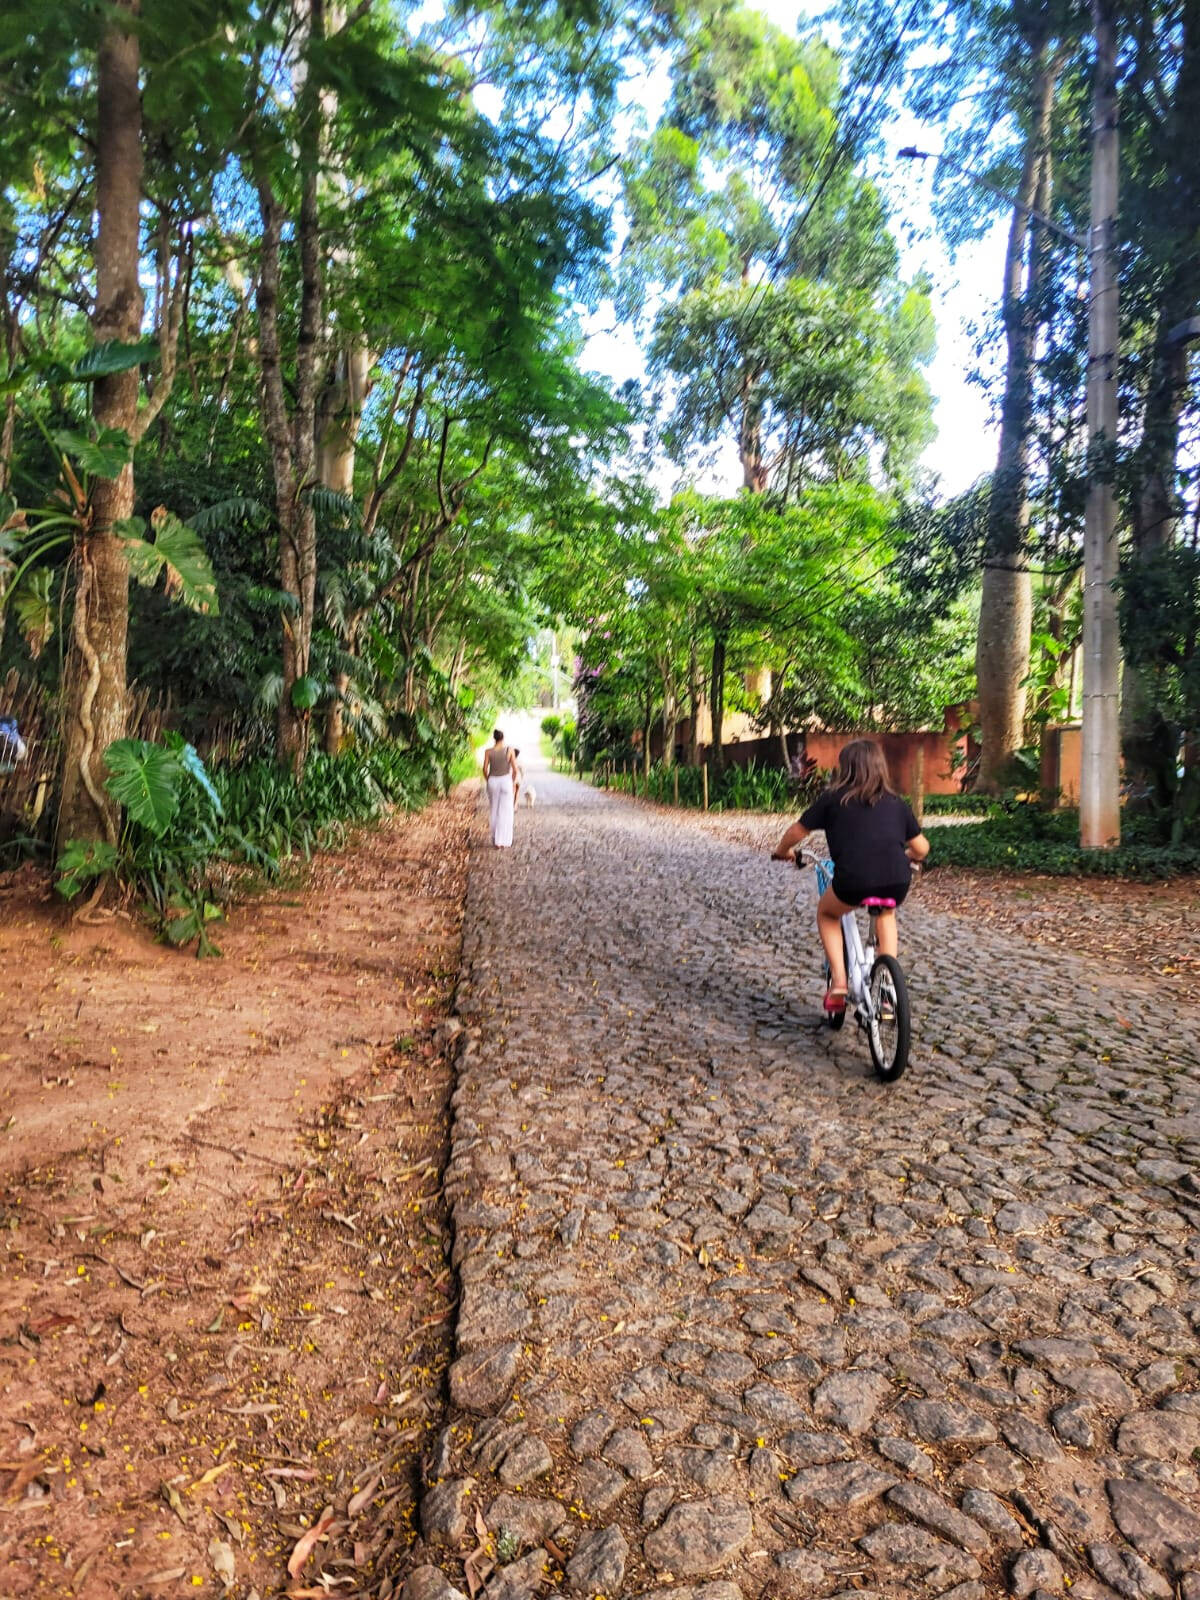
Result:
{"points": [[853, 894]]}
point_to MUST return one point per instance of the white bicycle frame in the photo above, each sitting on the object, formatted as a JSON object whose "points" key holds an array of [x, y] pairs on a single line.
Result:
{"points": [[859, 958]]}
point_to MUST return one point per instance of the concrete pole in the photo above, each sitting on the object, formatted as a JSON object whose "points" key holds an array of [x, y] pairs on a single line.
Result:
{"points": [[1099, 798]]}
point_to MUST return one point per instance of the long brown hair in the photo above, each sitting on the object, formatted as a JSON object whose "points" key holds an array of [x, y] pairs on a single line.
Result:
{"points": [[862, 773]]}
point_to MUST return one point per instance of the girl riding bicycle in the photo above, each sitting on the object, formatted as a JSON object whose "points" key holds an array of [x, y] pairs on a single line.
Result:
{"points": [[873, 839]]}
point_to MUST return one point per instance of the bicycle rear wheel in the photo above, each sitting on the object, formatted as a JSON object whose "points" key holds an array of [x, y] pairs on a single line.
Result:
{"points": [[889, 1028]]}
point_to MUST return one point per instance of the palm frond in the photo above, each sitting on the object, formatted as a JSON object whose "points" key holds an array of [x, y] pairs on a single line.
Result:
{"points": [[228, 513]]}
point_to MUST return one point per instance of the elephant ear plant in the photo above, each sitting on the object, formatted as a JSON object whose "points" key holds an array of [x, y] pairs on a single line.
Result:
{"points": [[173, 832]]}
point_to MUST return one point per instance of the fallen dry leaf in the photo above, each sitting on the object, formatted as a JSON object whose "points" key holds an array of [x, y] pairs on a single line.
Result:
{"points": [[232, 1527], [171, 1495], [223, 1563], [363, 1497], [212, 1474], [307, 1541], [166, 1575]]}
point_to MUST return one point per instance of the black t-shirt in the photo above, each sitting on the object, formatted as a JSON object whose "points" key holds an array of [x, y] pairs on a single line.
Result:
{"points": [[866, 842]]}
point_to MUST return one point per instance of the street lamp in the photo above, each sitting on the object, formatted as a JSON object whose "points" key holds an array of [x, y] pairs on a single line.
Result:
{"points": [[1099, 789]]}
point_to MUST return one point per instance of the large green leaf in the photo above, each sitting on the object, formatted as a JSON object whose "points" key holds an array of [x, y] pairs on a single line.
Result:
{"points": [[144, 778], [305, 693], [113, 356], [191, 917], [104, 457], [189, 759], [83, 860], [176, 550]]}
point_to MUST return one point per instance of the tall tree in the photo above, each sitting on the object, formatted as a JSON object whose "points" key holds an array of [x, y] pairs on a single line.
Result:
{"points": [[94, 89], [1161, 302], [96, 682], [1006, 605], [763, 262]]}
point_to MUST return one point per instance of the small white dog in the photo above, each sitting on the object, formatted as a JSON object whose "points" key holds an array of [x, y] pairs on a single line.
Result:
{"points": [[530, 794]]}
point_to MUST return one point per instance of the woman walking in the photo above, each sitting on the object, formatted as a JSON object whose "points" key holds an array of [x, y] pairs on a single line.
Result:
{"points": [[499, 768]]}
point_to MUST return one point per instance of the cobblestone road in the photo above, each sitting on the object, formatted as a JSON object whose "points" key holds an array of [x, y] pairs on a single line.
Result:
{"points": [[737, 1320]]}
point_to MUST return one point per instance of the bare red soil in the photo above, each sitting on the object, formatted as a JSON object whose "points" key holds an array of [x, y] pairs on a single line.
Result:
{"points": [[224, 1301]]}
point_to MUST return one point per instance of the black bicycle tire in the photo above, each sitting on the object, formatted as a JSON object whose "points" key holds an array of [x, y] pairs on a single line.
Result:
{"points": [[890, 1071]]}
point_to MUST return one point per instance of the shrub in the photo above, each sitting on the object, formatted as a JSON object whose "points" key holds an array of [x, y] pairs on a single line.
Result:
{"points": [[749, 788], [958, 805], [1030, 839], [551, 725], [187, 833], [752, 788]]}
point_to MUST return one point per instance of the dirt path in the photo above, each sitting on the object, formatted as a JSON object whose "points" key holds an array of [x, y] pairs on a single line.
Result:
{"points": [[224, 1303]]}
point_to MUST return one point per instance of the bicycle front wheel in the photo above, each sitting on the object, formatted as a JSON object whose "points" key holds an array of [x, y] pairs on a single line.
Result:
{"points": [[889, 1027]]}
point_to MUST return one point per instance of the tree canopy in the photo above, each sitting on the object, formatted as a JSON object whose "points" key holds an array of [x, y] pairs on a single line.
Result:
{"points": [[292, 300]]}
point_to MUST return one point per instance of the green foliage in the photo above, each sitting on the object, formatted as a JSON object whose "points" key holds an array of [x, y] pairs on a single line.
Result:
{"points": [[103, 360], [1031, 839], [144, 779], [82, 861], [177, 550], [779, 319], [958, 805], [551, 725], [305, 693], [101, 457], [753, 787], [33, 607], [190, 836], [1160, 632]]}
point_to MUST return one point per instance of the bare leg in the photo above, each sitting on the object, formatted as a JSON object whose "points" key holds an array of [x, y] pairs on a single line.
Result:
{"points": [[830, 911], [886, 934]]}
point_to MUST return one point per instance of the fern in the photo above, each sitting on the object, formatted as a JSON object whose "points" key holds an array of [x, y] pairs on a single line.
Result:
{"points": [[229, 513], [334, 504]]}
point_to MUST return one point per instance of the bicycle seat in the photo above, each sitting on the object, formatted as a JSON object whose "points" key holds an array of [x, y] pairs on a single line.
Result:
{"points": [[875, 904]]}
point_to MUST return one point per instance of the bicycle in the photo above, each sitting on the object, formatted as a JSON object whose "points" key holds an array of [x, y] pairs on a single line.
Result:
{"points": [[875, 983]]}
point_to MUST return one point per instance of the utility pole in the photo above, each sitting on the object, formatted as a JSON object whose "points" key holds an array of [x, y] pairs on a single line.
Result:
{"points": [[1099, 796]]}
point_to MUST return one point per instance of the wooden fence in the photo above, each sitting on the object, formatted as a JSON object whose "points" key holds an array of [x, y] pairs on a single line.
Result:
{"points": [[25, 785]]}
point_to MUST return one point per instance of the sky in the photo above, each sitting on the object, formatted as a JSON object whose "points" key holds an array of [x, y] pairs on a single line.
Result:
{"points": [[964, 291]]}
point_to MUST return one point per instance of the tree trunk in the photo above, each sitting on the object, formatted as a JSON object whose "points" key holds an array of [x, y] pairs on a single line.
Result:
{"points": [[291, 436], [1006, 603], [754, 471], [1100, 742], [1155, 500], [95, 709], [12, 345], [340, 418], [337, 439], [670, 714], [717, 692], [695, 701]]}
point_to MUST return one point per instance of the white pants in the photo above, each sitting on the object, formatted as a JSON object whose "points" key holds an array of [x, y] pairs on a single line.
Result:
{"points": [[500, 805]]}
